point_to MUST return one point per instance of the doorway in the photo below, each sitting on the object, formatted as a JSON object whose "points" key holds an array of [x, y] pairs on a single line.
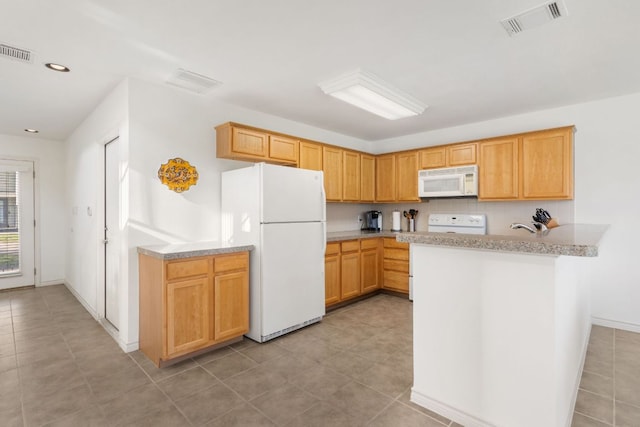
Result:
{"points": [[17, 224], [111, 232]]}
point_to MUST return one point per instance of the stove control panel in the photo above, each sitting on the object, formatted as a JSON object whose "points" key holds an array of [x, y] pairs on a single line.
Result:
{"points": [[458, 223]]}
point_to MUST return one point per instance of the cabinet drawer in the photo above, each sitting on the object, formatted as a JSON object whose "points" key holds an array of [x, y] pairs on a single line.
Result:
{"points": [[332, 248], [231, 262], [350, 246], [396, 265], [368, 243], [189, 268], [400, 254], [396, 280], [393, 243]]}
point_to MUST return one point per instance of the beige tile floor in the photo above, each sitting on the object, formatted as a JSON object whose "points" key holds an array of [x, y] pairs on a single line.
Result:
{"points": [[58, 367]]}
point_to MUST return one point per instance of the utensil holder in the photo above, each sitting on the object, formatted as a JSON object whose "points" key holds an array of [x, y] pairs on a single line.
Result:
{"points": [[412, 225]]}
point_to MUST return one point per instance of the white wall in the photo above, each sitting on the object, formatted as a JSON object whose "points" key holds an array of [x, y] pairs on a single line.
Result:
{"points": [[48, 157], [607, 149]]}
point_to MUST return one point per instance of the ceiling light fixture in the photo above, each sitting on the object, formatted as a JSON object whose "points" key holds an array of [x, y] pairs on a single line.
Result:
{"points": [[369, 92], [57, 67], [31, 130]]}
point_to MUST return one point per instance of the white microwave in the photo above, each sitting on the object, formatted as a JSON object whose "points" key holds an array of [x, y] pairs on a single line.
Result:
{"points": [[448, 182]]}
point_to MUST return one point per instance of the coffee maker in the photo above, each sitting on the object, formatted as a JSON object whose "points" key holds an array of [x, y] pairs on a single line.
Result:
{"points": [[372, 221]]}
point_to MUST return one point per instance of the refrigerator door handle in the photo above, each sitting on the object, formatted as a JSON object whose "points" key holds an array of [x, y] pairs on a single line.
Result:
{"points": [[324, 236]]}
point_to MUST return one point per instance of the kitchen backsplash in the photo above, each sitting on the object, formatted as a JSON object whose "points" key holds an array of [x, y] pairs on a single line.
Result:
{"points": [[343, 216]]}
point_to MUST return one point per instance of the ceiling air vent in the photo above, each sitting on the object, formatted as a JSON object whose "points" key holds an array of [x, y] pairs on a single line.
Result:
{"points": [[16, 53], [192, 81], [535, 17]]}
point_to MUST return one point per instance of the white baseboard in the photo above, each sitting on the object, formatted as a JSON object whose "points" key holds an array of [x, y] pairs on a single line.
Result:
{"points": [[81, 300], [445, 410], [50, 283], [616, 324]]}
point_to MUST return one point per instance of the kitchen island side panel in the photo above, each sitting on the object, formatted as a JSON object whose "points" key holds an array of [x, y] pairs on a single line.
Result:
{"points": [[486, 336]]}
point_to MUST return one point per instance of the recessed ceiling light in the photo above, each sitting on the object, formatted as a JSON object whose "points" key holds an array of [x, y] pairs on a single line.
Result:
{"points": [[367, 91], [57, 67], [31, 130]]}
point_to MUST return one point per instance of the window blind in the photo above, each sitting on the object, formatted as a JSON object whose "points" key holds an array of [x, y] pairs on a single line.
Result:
{"points": [[9, 222]]}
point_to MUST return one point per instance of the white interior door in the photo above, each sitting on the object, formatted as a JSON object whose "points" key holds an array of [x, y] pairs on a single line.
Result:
{"points": [[17, 226], [111, 231]]}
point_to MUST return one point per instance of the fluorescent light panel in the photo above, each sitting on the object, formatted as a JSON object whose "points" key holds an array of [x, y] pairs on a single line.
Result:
{"points": [[367, 91]]}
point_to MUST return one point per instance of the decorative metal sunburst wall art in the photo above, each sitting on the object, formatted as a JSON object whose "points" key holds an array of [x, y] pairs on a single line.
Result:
{"points": [[178, 175]]}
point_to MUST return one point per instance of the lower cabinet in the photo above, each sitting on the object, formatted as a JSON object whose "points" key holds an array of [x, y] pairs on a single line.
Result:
{"points": [[187, 305], [352, 268], [395, 265]]}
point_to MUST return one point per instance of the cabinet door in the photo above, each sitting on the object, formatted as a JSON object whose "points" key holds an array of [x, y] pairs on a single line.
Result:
{"points": [[462, 154], [332, 167], [350, 176], [251, 142], [350, 275], [370, 270], [188, 315], [498, 169], [546, 164], [283, 148], [231, 304], [367, 178], [331, 279], [310, 156], [386, 178], [407, 183], [432, 158]]}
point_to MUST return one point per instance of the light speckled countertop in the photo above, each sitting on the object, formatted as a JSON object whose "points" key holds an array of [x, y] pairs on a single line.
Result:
{"points": [[336, 236], [189, 250], [571, 239]]}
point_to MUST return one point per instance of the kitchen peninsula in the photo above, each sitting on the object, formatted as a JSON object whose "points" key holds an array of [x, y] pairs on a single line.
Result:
{"points": [[501, 323]]}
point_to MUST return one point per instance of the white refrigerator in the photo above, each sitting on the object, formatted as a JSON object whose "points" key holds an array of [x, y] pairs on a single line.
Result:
{"points": [[281, 210]]}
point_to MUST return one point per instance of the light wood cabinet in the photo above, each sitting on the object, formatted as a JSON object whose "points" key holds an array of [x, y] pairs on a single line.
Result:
{"points": [[350, 269], [546, 165], [310, 156], [386, 178], [189, 305], [332, 273], [241, 142], [498, 169], [395, 268], [350, 176], [432, 158], [367, 178], [530, 166], [370, 265], [407, 177], [332, 168], [462, 154], [283, 148], [448, 155]]}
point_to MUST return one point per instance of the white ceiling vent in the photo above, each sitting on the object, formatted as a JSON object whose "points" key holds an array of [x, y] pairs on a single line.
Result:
{"points": [[192, 81], [534, 17], [16, 53]]}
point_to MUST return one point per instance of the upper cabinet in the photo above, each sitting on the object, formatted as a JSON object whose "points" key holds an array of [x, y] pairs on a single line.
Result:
{"points": [[546, 167], [240, 142], [448, 155], [530, 166], [386, 178], [310, 156], [367, 178], [498, 169], [407, 177], [332, 167]]}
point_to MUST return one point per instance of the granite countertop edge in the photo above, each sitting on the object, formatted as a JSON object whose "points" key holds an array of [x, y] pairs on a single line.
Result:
{"points": [[190, 250], [581, 240], [337, 236]]}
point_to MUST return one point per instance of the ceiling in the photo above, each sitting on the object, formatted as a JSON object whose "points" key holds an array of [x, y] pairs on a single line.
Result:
{"points": [[270, 56]]}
